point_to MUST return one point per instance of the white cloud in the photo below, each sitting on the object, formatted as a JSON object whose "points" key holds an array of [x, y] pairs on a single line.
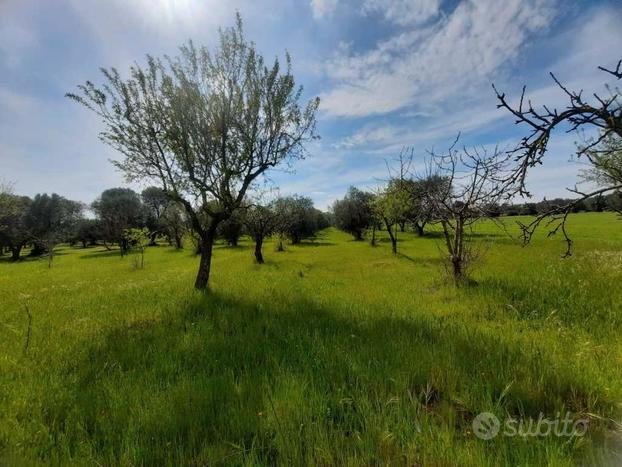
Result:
{"points": [[403, 12], [454, 54], [323, 8]]}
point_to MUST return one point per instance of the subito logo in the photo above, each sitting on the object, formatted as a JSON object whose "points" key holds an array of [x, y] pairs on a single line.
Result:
{"points": [[486, 425]]}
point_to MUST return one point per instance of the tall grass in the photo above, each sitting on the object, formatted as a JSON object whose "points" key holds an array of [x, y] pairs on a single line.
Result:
{"points": [[331, 353]]}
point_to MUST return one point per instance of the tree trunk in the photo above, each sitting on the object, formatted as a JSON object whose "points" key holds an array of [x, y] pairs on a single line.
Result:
{"points": [[178, 242], [373, 235], [154, 236], [456, 262], [419, 229], [37, 249], [402, 226], [393, 236], [15, 252], [207, 244], [258, 254]]}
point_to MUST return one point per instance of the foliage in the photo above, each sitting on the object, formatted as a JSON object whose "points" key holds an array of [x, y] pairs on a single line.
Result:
{"points": [[260, 222], [231, 229], [138, 239], [204, 126], [392, 205], [14, 232], [118, 209], [353, 214], [298, 219], [88, 232]]}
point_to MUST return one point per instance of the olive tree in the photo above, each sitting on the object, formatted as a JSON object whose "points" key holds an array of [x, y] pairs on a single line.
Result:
{"points": [[298, 218], [155, 203], [14, 233], [174, 223], [260, 222], [204, 126], [353, 214], [118, 209], [230, 230], [51, 219]]}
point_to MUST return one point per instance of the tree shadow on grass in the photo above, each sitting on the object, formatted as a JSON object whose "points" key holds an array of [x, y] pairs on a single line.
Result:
{"points": [[312, 243], [102, 254], [223, 381]]}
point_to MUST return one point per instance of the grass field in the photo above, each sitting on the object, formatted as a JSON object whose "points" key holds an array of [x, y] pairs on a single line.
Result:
{"points": [[332, 353]]}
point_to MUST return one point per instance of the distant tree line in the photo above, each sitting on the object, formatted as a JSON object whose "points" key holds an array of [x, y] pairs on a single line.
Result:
{"points": [[121, 214]]}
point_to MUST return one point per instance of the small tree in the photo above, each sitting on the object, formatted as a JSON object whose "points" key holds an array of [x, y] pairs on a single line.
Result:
{"points": [[422, 190], [392, 205], [175, 224], [353, 214], [298, 218], [231, 229], [205, 126], [138, 239], [51, 219], [87, 232], [13, 228], [473, 184], [155, 202], [260, 222], [118, 209]]}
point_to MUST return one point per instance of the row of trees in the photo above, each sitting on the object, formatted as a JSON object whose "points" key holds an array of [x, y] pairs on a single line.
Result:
{"points": [[293, 218], [463, 186], [459, 187], [121, 213], [42, 222], [206, 125]]}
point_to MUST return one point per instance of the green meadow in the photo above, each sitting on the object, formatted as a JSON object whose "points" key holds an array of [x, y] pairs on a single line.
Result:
{"points": [[332, 353]]}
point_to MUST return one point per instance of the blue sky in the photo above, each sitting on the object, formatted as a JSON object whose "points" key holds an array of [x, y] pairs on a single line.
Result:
{"points": [[390, 73]]}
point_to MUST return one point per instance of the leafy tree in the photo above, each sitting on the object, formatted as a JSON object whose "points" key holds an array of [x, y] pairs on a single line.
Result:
{"points": [[260, 222], [14, 231], [298, 218], [422, 190], [392, 205], [118, 209], [88, 232], [51, 219], [231, 229], [155, 202], [353, 214], [174, 223], [205, 126]]}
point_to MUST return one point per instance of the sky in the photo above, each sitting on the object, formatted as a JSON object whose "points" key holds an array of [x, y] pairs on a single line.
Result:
{"points": [[390, 74]]}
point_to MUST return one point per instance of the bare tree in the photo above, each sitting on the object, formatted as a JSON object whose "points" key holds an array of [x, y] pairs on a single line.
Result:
{"points": [[603, 114], [473, 185], [204, 126]]}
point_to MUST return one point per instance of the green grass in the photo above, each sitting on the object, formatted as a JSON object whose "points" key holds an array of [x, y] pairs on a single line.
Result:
{"points": [[332, 353]]}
